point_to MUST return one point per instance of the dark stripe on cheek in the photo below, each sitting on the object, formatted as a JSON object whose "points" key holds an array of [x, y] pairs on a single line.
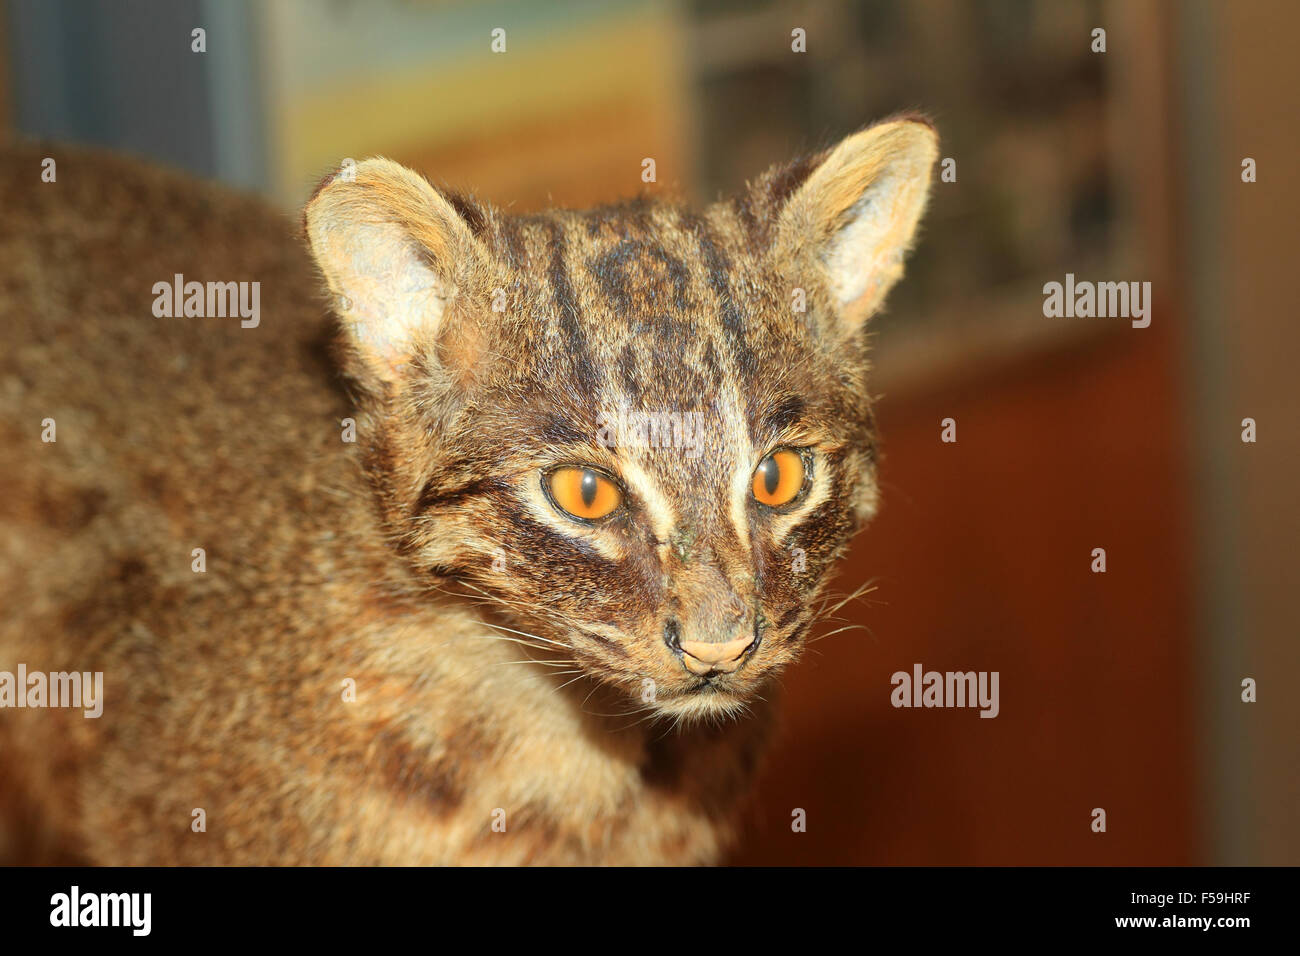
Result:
{"points": [[613, 647], [789, 616], [431, 496], [827, 525], [797, 633], [543, 547], [448, 571]]}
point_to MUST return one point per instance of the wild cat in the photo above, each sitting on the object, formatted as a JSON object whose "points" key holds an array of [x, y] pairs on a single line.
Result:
{"points": [[383, 586]]}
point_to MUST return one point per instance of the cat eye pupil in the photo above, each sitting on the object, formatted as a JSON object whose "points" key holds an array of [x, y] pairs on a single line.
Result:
{"points": [[779, 478], [582, 493]]}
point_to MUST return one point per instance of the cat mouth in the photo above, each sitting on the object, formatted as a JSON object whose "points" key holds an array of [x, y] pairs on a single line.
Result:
{"points": [[713, 690], [706, 700]]}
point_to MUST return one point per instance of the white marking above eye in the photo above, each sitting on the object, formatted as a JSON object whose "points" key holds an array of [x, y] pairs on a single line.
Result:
{"points": [[741, 481], [742, 451], [657, 505]]}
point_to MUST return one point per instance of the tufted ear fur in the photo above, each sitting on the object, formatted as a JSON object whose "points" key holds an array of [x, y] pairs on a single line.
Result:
{"points": [[408, 278], [853, 218]]}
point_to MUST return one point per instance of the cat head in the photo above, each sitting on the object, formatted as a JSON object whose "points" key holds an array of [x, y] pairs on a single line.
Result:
{"points": [[643, 431]]}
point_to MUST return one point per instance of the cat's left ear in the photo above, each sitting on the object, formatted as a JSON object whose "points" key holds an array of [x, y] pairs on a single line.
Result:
{"points": [[853, 218]]}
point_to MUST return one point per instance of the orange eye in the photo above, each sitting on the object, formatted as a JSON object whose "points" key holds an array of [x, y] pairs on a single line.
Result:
{"points": [[779, 478], [582, 493]]}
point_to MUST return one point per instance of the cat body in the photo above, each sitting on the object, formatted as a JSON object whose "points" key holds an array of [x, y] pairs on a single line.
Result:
{"points": [[405, 648]]}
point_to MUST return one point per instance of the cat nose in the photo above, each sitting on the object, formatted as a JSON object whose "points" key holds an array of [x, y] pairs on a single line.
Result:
{"points": [[702, 658]]}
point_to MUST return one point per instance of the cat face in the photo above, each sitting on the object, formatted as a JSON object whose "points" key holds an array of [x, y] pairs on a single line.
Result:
{"points": [[642, 432]]}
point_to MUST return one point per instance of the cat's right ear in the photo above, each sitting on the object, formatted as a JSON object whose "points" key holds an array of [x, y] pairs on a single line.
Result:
{"points": [[405, 272]]}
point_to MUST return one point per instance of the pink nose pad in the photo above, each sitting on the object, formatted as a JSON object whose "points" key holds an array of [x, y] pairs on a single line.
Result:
{"points": [[703, 657]]}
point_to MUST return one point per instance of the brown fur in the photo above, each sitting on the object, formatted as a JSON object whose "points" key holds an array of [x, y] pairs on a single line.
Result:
{"points": [[481, 686]]}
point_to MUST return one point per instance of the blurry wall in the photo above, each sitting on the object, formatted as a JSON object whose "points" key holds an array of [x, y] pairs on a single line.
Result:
{"points": [[122, 73], [1239, 81]]}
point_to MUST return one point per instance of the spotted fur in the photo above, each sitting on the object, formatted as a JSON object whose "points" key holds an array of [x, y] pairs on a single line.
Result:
{"points": [[512, 665]]}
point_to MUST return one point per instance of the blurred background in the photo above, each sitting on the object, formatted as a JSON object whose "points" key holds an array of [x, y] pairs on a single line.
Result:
{"points": [[1120, 690]]}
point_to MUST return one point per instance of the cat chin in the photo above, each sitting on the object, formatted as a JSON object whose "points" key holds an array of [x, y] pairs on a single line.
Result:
{"points": [[713, 705]]}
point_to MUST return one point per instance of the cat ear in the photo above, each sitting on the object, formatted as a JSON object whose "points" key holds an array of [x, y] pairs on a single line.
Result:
{"points": [[401, 264], [853, 216]]}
